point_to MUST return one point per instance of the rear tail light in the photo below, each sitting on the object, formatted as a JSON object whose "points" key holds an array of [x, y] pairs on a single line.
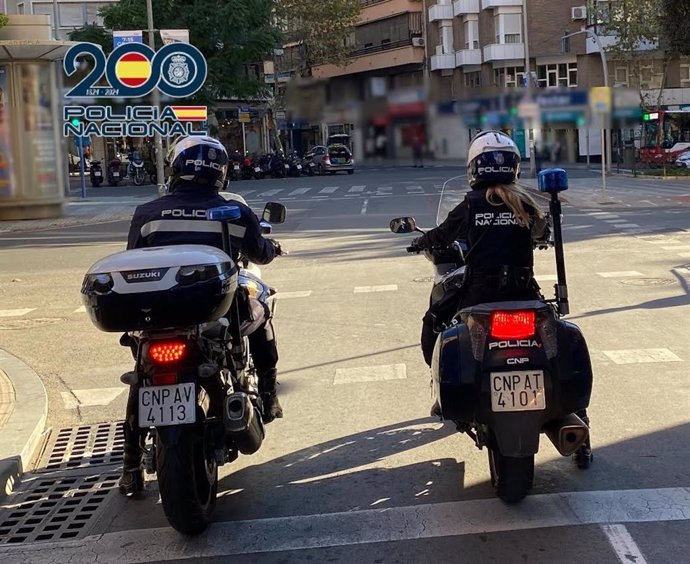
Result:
{"points": [[327, 159], [164, 379], [167, 352], [512, 324]]}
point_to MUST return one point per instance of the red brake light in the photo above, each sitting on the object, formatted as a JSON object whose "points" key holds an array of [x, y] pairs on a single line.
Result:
{"points": [[327, 159], [167, 352], [512, 324]]}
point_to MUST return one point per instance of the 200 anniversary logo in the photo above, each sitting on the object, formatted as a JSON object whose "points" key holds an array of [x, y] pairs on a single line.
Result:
{"points": [[134, 70]]}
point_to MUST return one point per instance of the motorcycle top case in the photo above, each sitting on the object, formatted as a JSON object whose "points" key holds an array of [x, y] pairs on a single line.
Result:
{"points": [[159, 288]]}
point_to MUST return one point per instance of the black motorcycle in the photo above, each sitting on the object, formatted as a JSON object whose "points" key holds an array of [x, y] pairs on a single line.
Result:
{"points": [[295, 163], [96, 174], [114, 171], [505, 372], [193, 385]]}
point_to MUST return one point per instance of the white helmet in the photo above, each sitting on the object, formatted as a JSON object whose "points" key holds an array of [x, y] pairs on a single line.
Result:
{"points": [[493, 158]]}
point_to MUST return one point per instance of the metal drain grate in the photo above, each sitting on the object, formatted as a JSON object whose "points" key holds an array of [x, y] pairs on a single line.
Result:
{"points": [[83, 447], [53, 508]]}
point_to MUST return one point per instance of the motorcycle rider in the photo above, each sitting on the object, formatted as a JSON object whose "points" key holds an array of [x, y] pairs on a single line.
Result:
{"points": [[198, 168], [501, 223]]}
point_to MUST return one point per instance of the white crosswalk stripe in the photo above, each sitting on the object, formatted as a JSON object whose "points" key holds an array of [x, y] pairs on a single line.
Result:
{"points": [[356, 189], [15, 312], [329, 190], [299, 191], [269, 193]]}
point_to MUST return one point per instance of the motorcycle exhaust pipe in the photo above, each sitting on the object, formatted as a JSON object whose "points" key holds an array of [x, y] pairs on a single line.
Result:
{"points": [[242, 423], [567, 434]]}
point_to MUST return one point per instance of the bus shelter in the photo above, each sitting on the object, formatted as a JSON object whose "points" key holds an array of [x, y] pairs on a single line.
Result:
{"points": [[32, 176]]}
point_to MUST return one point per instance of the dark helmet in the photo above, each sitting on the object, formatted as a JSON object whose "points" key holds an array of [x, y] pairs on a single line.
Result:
{"points": [[197, 160], [493, 158]]}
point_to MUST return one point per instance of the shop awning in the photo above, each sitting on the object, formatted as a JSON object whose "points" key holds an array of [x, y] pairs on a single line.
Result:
{"points": [[34, 50], [411, 109]]}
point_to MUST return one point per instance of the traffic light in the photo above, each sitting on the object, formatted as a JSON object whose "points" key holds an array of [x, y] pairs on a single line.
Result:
{"points": [[76, 122], [645, 117]]}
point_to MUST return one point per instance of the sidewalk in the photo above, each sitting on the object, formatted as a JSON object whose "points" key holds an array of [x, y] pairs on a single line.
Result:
{"points": [[23, 413]]}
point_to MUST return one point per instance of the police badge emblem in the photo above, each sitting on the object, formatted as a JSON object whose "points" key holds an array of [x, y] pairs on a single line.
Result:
{"points": [[178, 71], [498, 158], [212, 154]]}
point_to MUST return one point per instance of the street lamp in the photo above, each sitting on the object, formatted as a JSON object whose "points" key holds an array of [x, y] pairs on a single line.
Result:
{"points": [[605, 134]]}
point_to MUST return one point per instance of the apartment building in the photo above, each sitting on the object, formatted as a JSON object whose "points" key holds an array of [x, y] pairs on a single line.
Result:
{"points": [[379, 97], [71, 14]]}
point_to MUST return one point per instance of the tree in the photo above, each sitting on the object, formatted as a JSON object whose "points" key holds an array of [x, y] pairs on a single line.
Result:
{"points": [[4, 20], [322, 29], [674, 18], [234, 36], [93, 33]]}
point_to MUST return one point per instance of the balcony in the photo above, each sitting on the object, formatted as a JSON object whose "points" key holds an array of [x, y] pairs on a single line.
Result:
{"points": [[462, 7], [373, 10], [466, 57], [491, 4], [375, 58], [441, 12], [504, 52], [443, 62]]}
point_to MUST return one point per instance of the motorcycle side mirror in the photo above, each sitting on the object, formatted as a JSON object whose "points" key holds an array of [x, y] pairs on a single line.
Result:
{"points": [[553, 180], [274, 213], [403, 225], [266, 228]]}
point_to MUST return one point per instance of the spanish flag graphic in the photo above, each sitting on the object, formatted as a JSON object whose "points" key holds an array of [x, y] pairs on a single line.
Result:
{"points": [[133, 69], [189, 113]]}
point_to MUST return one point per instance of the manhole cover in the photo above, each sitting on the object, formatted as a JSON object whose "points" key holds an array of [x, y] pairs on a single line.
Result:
{"points": [[649, 282], [425, 279], [83, 447], [53, 508], [12, 324]]}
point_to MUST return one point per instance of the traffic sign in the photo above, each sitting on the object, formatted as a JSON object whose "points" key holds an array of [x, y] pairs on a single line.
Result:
{"points": [[600, 99]]}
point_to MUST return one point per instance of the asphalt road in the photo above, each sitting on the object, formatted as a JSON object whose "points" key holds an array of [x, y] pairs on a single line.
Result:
{"points": [[357, 470]]}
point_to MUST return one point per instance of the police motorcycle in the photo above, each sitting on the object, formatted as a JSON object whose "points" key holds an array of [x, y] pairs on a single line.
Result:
{"points": [[135, 168], [505, 372], [185, 308]]}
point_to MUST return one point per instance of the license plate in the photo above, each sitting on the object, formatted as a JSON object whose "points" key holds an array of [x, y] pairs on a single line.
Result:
{"points": [[518, 391], [335, 161], [167, 405], [299, 167], [97, 173], [257, 169], [286, 166], [116, 174], [237, 167]]}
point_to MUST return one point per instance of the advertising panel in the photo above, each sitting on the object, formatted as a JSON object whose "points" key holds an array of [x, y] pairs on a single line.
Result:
{"points": [[7, 185]]}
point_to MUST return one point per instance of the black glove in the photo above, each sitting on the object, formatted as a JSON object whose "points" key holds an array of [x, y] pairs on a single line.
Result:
{"points": [[278, 249]]}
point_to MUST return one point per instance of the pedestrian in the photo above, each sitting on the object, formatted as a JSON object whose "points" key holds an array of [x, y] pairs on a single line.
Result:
{"points": [[417, 151], [538, 157]]}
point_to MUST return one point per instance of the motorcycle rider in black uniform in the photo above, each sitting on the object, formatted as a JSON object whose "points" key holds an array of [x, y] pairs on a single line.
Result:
{"points": [[198, 168], [502, 224]]}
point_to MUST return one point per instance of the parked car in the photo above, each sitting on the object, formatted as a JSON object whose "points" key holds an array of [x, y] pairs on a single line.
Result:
{"points": [[332, 158], [684, 160]]}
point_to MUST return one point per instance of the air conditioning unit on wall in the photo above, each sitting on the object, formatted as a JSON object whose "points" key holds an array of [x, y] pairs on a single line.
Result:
{"points": [[418, 42], [578, 13]]}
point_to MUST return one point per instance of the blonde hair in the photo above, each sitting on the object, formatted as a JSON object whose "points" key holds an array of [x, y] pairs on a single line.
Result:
{"points": [[515, 197]]}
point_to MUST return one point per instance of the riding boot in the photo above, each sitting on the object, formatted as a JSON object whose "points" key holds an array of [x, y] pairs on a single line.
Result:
{"points": [[132, 479], [269, 398], [583, 456]]}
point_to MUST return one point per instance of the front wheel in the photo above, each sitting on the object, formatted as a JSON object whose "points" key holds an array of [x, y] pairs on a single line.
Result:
{"points": [[511, 477], [138, 179], [187, 480]]}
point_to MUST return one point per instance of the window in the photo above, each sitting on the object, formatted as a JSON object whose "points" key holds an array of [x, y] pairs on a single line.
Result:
{"points": [[508, 27], [473, 79], [557, 75], [621, 76], [685, 76], [471, 33], [509, 77], [71, 15]]}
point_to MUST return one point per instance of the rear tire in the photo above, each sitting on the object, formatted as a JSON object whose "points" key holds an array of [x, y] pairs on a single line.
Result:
{"points": [[511, 477], [187, 480]]}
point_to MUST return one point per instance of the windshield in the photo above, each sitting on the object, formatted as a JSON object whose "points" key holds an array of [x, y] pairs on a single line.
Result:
{"points": [[454, 191]]}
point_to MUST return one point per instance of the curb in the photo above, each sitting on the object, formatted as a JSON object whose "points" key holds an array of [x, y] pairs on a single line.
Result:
{"points": [[21, 435]]}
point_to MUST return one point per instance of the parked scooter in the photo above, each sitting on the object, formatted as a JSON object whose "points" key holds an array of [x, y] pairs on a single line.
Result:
{"points": [[135, 168], [505, 372], [96, 174], [295, 164], [114, 171]]}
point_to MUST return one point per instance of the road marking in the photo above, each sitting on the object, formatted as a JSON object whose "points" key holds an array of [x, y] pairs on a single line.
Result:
{"points": [[416, 189], [615, 220], [623, 544], [289, 295], [299, 191], [15, 312], [367, 526], [642, 356], [329, 189], [364, 207], [546, 277], [90, 398], [81, 309], [624, 225], [383, 288], [619, 274], [684, 255], [269, 193], [677, 248], [357, 189], [369, 374]]}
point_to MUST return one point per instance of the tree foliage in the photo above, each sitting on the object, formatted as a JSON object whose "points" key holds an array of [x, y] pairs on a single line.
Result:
{"points": [[322, 28], [674, 18], [233, 35], [4, 20], [93, 33]]}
